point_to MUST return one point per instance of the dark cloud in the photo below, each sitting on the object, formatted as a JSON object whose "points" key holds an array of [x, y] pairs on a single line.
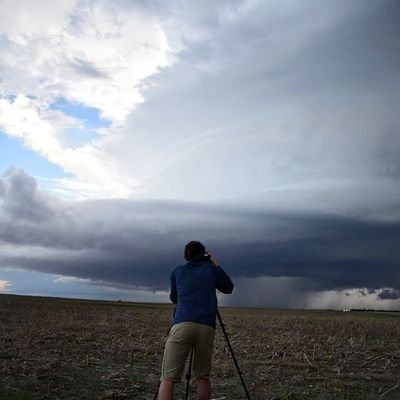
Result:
{"points": [[20, 198], [138, 242], [389, 294]]}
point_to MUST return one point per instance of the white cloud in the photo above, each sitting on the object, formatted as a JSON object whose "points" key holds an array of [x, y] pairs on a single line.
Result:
{"points": [[20, 18], [95, 54], [346, 299], [4, 285], [94, 174]]}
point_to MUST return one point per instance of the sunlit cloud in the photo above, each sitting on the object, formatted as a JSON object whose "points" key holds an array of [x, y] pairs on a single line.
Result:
{"points": [[93, 54], [4, 286]]}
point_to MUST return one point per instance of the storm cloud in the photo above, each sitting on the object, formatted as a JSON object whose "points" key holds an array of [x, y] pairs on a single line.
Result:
{"points": [[269, 130], [136, 243]]}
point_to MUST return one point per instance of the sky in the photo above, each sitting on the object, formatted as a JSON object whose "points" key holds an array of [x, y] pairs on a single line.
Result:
{"points": [[268, 130]]}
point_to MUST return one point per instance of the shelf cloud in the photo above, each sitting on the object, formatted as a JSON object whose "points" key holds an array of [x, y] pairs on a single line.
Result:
{"points": [[136, 242]]}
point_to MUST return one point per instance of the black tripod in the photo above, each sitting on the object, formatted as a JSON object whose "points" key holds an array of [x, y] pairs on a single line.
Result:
{"points": [[189, 374], [233, 355]]}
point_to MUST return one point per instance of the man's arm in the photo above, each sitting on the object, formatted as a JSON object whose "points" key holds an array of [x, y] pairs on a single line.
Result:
{"points": [[224, 283], [173, 294]]}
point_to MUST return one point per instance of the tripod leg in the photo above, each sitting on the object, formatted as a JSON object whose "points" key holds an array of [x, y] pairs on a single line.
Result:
{"points": [[189, 374], [233, 355]]}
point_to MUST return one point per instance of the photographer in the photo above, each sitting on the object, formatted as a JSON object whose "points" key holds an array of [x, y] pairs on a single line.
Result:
{"points": [[193, 290]]}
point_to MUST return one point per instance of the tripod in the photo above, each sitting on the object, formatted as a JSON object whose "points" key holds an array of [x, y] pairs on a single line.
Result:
{"points": [[233, 354], [189, 374]]}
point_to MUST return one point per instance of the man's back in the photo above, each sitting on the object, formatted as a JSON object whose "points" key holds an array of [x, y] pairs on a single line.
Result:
{"points": [[193, 289]]}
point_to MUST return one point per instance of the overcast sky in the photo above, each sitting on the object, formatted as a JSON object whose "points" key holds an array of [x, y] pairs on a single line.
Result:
{"points": [[269, 130]]}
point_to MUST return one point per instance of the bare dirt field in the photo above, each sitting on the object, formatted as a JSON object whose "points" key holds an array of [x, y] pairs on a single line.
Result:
{"points": [[71, 349]]}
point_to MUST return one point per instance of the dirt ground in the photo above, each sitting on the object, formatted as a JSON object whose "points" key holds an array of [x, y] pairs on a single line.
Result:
{"points": [[70, 349]]}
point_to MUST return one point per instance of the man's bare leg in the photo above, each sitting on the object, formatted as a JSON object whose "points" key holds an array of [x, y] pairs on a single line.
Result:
{"points": [[203, 389], [166, 390]]}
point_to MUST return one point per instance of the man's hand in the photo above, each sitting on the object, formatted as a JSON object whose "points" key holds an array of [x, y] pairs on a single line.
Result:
{"points": [[214, 260]]}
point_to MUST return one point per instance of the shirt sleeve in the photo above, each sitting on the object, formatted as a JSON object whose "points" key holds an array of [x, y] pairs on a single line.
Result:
{"points": [[173, 294], [223, 282]]}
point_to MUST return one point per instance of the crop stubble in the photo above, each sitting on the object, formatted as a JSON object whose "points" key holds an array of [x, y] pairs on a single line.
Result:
{"points": [[65, 349]]}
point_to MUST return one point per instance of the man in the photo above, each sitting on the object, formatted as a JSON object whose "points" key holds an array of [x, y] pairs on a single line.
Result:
{"points": [[193, 290]]}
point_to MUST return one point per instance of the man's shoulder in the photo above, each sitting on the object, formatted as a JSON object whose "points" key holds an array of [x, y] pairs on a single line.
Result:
{"points": [[177, 268], [182, 267]]}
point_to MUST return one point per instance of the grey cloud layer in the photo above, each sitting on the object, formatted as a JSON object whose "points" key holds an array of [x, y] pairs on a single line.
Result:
{"points": [[138, 242], [274, 95]]}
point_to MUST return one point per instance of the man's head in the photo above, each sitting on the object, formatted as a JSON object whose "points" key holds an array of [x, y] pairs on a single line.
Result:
{"points": [[194, 249]]}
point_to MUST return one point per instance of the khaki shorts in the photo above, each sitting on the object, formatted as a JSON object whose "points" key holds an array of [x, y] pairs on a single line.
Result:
{"points": [[182, 337]]}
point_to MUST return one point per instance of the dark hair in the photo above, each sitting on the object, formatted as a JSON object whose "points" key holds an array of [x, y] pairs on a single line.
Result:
{"points": [[194, 249]]}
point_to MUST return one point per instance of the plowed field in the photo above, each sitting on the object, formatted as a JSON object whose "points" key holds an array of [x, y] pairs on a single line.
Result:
{"points": [[70, 349]]}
